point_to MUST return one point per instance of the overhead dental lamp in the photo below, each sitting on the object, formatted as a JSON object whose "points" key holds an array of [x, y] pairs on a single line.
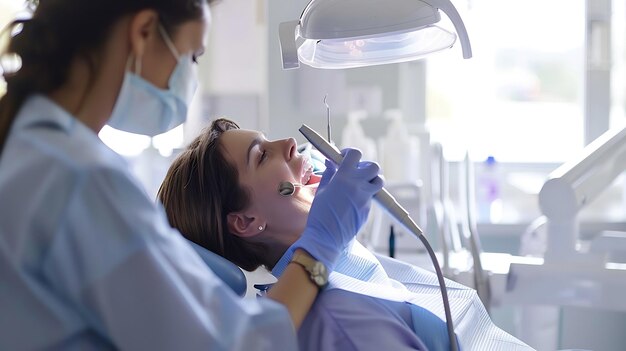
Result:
{"points": [[338, 34]]}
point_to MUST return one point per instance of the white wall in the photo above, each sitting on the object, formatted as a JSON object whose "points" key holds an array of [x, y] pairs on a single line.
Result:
{"points": [[236, 58]]}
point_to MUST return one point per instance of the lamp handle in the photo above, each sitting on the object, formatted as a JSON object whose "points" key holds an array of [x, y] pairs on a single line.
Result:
{"points": [[448, 8], [288, 48]]}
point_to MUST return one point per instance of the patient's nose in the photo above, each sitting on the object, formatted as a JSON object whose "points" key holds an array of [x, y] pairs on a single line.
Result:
{"points": [[289, 147]]}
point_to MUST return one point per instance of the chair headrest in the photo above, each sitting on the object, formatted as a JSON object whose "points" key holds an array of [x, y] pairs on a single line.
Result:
{"points": [[227, 271]]}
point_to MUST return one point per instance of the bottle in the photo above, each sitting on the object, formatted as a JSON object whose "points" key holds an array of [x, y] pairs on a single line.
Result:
{"points": [[489, 200], [354, 136], [399, 150]]}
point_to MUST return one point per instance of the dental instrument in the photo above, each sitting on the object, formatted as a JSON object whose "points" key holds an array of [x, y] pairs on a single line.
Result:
{"points": [[383, 197], [287, 188], [389, 203], [327, 118]]}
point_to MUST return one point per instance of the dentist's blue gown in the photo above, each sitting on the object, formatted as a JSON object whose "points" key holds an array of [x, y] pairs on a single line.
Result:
{"points": [[89, 262]]}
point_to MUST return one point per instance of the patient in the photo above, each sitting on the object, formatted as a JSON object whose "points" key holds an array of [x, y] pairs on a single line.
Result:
{"points": [[222, 193]]}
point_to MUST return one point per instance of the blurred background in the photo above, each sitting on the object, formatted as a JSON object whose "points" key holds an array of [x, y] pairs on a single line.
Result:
{"points": [[547, 78]]}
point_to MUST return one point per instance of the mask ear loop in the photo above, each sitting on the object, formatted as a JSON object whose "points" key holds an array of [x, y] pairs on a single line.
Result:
{"points": [[137, 65], [168, 42], [129, 65]]}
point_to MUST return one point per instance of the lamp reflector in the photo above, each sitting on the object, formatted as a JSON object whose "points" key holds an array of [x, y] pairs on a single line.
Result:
{"points": [[375, 50]]}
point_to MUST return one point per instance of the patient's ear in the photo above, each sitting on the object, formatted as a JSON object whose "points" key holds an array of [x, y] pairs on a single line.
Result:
{"points": [[244, 226]]}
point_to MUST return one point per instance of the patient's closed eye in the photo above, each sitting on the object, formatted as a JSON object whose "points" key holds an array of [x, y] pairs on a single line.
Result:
{"points": [[263, 156]]}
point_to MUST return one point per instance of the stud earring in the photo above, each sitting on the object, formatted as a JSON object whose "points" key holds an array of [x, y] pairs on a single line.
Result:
{"points": [[261, 228]]}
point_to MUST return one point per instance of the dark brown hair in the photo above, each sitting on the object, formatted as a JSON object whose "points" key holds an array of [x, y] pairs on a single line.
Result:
{"points": [[61, 30], [200, 189]]}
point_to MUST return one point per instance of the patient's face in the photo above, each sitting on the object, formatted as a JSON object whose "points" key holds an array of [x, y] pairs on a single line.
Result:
{"points": [[262, 166]]}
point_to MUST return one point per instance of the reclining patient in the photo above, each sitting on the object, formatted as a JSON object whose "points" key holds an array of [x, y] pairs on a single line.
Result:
{"points": [[222, 193]]}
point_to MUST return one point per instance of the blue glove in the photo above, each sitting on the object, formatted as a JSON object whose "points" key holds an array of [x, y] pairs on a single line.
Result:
{"points": [[340, 207]]}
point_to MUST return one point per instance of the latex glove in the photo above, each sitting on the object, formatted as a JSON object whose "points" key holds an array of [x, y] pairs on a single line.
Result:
{"points": [[340, 207]]}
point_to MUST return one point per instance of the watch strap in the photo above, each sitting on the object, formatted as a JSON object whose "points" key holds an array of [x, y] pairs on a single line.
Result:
{"points": [[317, 271]]}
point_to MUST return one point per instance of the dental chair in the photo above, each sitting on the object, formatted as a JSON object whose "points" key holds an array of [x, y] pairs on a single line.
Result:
{"points": [[227, 271]]}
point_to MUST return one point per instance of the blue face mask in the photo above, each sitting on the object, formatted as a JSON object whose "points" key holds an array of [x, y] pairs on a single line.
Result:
{"points": [[143, 108]]}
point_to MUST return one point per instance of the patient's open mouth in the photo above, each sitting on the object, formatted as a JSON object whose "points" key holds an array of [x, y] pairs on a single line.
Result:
{"points": [[308, 177], [313, 179]]}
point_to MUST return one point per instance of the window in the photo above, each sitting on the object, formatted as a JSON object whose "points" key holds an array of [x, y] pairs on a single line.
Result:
{"points": [[519, 98], [9, 9]]}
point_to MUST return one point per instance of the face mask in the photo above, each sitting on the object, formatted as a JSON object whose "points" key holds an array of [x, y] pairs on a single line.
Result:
{"points": [[143, 108]]}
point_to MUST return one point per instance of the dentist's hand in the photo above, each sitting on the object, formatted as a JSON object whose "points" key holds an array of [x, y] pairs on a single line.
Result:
{"points": [[340, 207]]}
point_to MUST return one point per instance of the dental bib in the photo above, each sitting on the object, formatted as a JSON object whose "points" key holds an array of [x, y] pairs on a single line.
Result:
{"points": [[361, 272]]}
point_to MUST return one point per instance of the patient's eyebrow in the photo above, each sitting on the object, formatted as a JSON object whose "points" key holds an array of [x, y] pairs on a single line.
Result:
{"points": [[254, 143]]}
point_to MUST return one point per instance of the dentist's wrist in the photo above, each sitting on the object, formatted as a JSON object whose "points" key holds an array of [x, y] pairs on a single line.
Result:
{"points": [[316, 270], [321, 250]]}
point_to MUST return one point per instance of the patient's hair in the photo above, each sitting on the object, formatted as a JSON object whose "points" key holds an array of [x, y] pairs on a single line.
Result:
{"points": [[200, 189]]}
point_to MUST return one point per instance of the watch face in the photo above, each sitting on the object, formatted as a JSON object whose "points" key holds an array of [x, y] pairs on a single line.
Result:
{"points": [[319, 280], [319, 274], [319, 269]]}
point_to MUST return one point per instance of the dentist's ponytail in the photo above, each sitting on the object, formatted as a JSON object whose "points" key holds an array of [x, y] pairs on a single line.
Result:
{"points": [[43, 68]]}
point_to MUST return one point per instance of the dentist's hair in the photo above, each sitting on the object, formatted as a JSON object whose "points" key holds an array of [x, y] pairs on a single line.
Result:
{"points": [[200, 189], [62, 30]]}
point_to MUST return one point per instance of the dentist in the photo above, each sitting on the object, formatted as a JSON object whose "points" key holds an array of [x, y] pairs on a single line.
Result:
{"points": [[87, 260]]}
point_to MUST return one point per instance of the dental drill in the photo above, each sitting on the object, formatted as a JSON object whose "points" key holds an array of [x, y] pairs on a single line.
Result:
{"points": [[389, 203]]}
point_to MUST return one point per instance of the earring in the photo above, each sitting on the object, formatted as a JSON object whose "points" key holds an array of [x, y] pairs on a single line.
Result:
{"points": [[261, 228]]}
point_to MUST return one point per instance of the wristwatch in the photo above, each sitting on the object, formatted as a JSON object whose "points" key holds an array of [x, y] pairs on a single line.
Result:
{"points": [[317, 270]]}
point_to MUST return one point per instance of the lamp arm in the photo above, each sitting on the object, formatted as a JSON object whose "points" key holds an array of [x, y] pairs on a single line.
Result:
{"points": [[448, 8], [288, 48]]}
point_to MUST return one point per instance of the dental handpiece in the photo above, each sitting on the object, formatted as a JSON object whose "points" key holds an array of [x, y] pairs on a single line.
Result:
{"points": [[385, 200], [383, 197]]}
